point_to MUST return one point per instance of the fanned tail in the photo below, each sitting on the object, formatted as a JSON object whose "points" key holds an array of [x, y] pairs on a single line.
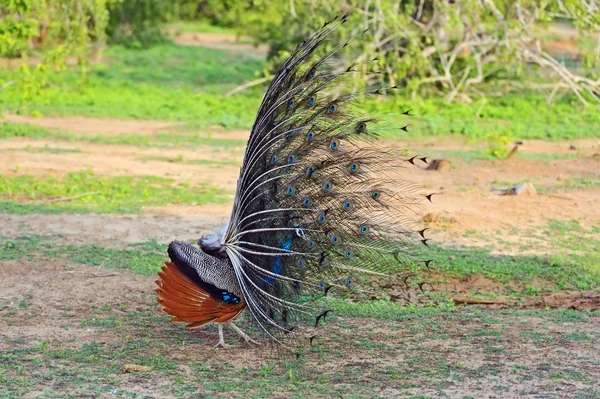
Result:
{"points": [[320, 209]]}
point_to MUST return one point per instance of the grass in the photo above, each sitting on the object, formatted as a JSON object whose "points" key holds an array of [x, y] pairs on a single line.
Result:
{"points": [[46, 149], [187, 140], [482, 155], [572, 262], [401, 358], [516, 274], [87, 192], [144, 258], [166, 82], [178, 83], [574, 183]]}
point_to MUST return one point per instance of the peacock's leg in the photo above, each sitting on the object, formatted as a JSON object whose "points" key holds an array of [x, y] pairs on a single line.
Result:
{"points": [[221, 342], [243, 334]]}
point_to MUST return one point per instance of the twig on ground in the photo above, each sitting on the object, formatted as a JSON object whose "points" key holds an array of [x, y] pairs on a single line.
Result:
{"points": [[94, 274], [63, 199], [467, 301]]}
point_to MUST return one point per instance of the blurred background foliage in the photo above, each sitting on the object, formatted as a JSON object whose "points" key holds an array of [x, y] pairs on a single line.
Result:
{"points": [[456, 49]]}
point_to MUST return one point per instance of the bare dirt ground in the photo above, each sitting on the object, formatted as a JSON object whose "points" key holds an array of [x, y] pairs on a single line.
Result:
{"points": [[92, 126], [221, 41], [111, 317], [74, 311], [464, 200]]}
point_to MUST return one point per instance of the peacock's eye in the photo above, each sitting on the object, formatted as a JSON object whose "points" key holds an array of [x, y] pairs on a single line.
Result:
{"points": [[291, 159], [327, 187], [375, 194], [334, 145], [311, 73], [309, 137], [362, 126], [311, 100], [291, 103], [291, 190], [292, 132], [307, 201], [347, 205], [331, 108], [348, 253], [274, 159], [353, 167], [364, 229]]}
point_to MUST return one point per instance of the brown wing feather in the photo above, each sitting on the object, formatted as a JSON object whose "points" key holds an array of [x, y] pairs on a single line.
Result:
{"points": [[188, 303]]}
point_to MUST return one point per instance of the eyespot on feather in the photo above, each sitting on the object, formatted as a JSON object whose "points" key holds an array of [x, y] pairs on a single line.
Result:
{"points": [[354, 167], [334, 145]]}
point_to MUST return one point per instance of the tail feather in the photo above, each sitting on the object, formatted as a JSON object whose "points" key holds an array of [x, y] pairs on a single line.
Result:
{"points": [[188, 303]]}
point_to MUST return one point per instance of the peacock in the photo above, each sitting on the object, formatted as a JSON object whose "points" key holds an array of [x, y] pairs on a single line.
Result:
{"points": [[320, 210]]}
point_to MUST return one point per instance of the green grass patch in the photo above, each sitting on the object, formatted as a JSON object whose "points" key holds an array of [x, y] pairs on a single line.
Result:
{"points": [[573, 265], [87, 192], [46, 149], [573, 183], [573, 271], [557, 272], [143, 258], [187, 83], [167, 82]]}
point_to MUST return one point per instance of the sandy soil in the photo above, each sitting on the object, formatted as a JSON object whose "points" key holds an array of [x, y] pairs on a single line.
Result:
{"points": [[221, 41], [464, 200], [92, 126]]}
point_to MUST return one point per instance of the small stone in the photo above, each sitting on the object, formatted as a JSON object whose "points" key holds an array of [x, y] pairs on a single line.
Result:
{"points": [[572, 147], [441, 165], [519, 189], [525, 189]]}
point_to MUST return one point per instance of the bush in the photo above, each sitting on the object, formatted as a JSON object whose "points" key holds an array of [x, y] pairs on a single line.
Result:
{"points": [[138, 23], [457, 47], [70, 24]]}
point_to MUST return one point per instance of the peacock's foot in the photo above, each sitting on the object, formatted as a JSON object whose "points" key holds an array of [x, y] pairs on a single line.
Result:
{"points": [[221, 342], [242, 334], [224, 345]]}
